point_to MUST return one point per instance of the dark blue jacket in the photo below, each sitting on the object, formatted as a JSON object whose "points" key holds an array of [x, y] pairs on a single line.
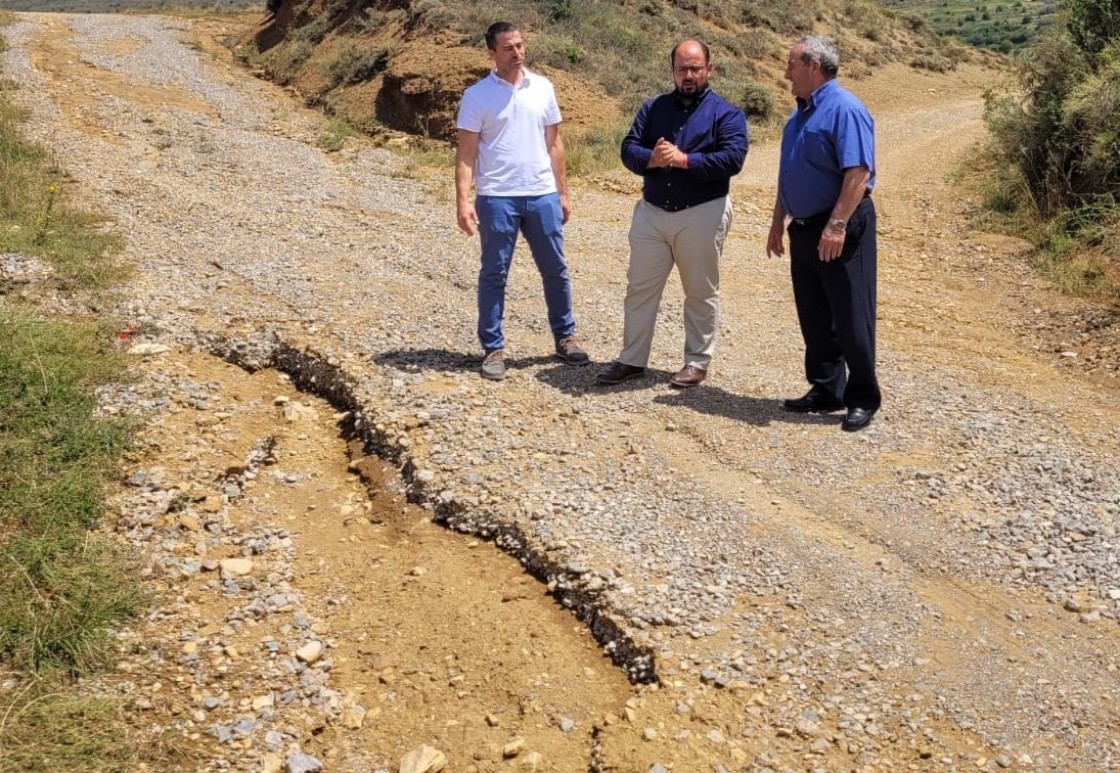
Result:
{"points": [[713, 133]]}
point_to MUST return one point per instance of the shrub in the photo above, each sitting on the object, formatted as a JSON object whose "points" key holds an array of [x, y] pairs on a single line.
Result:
{"points": [[595, 150], [285, 63], [555, 51], [1059, 132], [558, 9], [757, 100], [1093, 24], [1033, 133], [355, 65]]}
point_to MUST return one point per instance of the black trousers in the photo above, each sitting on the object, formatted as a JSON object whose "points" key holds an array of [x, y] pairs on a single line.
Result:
{"points": [[836, 308]]}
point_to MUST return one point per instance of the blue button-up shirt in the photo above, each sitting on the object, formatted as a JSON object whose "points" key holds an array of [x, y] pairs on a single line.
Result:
{"points": [[713, 133], [827, 133]]}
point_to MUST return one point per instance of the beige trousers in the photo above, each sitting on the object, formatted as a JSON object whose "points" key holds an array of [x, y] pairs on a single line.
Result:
{"points": [[691, 239]]}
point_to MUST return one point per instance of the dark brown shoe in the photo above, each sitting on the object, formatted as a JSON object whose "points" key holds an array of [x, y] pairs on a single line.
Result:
{"points": [[619, 372], [688, 376]]}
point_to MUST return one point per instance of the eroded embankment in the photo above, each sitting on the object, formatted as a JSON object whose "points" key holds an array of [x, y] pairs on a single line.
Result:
{"points": [[314, 374]]}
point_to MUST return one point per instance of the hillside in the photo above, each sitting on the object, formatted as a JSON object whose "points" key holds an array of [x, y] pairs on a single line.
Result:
{"points": [[402, 66], [1005, 26]]}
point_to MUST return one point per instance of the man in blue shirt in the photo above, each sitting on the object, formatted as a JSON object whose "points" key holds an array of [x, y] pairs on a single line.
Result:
{"points": [[687, 145], [825, 178]]}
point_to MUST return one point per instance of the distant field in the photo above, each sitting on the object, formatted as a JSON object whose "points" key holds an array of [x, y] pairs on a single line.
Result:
{"points": [[998, 25], [115, 6]]}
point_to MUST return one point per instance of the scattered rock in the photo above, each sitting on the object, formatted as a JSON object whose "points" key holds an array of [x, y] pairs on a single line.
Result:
{"points": [[423, 759], [310, 652], [298, 762], [513, 748]]}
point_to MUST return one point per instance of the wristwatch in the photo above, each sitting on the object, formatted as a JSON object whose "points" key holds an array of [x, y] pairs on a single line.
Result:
{"points": [[838, 224]]}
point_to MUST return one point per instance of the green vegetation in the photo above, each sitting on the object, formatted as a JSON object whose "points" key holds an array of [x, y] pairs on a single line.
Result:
{"points": [[337, 132], [355, 65], [35, 217], [1056, 149], [1005, 26], [595, 149], [618, 46], [61, 589]]}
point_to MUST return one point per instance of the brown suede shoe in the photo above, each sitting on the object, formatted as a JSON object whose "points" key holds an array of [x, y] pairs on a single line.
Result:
{"points": [[688, 376]]}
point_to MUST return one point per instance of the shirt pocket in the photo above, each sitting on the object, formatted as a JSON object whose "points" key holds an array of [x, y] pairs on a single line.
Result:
{"points": [[818, 149]]}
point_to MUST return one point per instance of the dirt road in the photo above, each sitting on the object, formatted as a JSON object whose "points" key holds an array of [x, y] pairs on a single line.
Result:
{"points": [[939, 592]]}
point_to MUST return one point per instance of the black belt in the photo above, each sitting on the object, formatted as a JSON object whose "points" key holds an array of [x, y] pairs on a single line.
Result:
{"points": [[670, 206], [820, 218]]}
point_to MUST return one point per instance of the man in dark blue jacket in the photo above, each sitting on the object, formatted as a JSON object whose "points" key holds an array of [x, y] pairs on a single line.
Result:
{"points": [[687, 145]]}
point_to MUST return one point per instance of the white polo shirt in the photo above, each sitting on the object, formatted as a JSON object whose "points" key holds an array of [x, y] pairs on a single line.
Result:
{"points": [[510, 121]]}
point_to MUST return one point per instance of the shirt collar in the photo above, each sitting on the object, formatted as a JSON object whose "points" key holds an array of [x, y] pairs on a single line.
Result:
{"points": [[819, 93], [526, 76]]}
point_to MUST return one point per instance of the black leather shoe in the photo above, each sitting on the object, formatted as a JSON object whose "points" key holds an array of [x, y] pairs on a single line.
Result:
{"points": [[857, 419], [619, 372], [812, 402]]}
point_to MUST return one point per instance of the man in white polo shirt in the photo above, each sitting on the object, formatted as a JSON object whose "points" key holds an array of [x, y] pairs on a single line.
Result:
{"points": [[509, 146]]}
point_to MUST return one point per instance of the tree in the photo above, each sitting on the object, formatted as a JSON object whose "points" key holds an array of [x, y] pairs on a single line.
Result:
{"points": [[1061, 133], [1093, 23]]}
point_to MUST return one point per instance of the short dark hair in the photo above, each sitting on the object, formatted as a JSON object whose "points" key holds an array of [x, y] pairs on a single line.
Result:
{"points": [[496, 29], [703, 47]]}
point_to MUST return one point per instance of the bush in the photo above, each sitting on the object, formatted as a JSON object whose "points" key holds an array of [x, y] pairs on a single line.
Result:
{"points": [[289, 59], [555, 51], [1059, 133], [558, 9], [595, 150], [355, 65], [782, 17], [1091, 113], [1093, 24], [757, 100]]}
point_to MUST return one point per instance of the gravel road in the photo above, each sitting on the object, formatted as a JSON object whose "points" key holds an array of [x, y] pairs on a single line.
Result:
{"points": [[941, 591]]}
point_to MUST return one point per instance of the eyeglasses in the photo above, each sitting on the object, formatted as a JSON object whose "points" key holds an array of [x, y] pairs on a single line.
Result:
{"points": [[689, 70]]}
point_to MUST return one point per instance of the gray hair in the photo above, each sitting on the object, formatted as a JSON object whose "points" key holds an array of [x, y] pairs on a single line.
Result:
{"points": [[817, 48]]}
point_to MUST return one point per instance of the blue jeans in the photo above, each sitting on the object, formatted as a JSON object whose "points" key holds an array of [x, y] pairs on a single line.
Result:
{"points": [[500, 219]]}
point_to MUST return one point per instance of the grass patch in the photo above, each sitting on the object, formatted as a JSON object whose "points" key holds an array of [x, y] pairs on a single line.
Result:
{"points": [[36, 219], [45, 732], [62, 590], [334, 137], [595, 150], [421, 159]]}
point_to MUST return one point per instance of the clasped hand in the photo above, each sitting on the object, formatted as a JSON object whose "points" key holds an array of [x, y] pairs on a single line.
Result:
{"points": [[665, 154]]}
